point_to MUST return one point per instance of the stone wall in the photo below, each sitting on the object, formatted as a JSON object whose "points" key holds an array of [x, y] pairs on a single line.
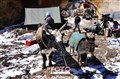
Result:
{"points": [[110, 6], [10, 11], [106, 6]]}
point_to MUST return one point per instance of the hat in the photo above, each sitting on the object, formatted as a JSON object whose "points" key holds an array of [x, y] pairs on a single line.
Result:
{"points": [[48, 14]]}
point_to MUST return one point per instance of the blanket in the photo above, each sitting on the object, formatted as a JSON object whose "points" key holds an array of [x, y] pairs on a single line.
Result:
{"points": [[75, 38]]}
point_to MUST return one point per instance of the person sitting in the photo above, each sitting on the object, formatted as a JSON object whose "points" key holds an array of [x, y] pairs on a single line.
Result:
{"points": [[116, 25], [116, 28]]}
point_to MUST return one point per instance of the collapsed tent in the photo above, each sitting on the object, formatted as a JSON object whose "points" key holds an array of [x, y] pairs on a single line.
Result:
{"points": [[37, 15]]}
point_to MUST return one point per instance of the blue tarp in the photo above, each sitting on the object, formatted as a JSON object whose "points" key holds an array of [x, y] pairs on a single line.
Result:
{"points": [[75, 38], [115, 15], [11, 27]]}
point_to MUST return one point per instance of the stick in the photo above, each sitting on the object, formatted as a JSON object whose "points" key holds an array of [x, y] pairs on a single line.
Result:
{"points": [[62, 26], [64, 60]]}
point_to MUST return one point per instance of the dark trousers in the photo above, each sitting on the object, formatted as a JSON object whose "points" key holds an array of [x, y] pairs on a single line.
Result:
{"points": [[76, 26], [61, 46]]}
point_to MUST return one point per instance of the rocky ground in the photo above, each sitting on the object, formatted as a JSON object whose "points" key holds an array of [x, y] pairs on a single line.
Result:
{"points": [[18, 61]]}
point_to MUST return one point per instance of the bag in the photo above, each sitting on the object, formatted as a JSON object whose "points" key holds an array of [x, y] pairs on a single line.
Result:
{"points": [[30, 42]]}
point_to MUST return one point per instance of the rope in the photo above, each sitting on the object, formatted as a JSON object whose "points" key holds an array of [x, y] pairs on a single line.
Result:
{"points": [[64, 59], [63, 55], [44, 43]]}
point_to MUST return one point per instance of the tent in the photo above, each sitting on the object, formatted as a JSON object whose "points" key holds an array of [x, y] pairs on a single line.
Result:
{"points": [[37, 15]]}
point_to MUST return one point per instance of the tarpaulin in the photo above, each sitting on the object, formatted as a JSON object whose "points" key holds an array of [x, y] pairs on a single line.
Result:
{"points": [[37, 15]]}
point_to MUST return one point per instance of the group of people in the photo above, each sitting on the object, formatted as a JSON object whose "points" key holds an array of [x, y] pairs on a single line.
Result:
{"points": [[50, 22], [108, 29]]}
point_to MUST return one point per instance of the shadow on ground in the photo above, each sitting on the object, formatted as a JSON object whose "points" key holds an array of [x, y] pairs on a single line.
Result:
{"points": [[61, 58]]}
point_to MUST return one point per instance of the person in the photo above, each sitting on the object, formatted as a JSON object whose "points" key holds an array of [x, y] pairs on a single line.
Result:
{"points": [[76, 23], [116, 25], [105, 24], [116, 28], [49, 22]]}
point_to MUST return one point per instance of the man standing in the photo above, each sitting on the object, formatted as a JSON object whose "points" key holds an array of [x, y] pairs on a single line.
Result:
{"points": [[76, 23], [105, 23], [49, 22]]}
